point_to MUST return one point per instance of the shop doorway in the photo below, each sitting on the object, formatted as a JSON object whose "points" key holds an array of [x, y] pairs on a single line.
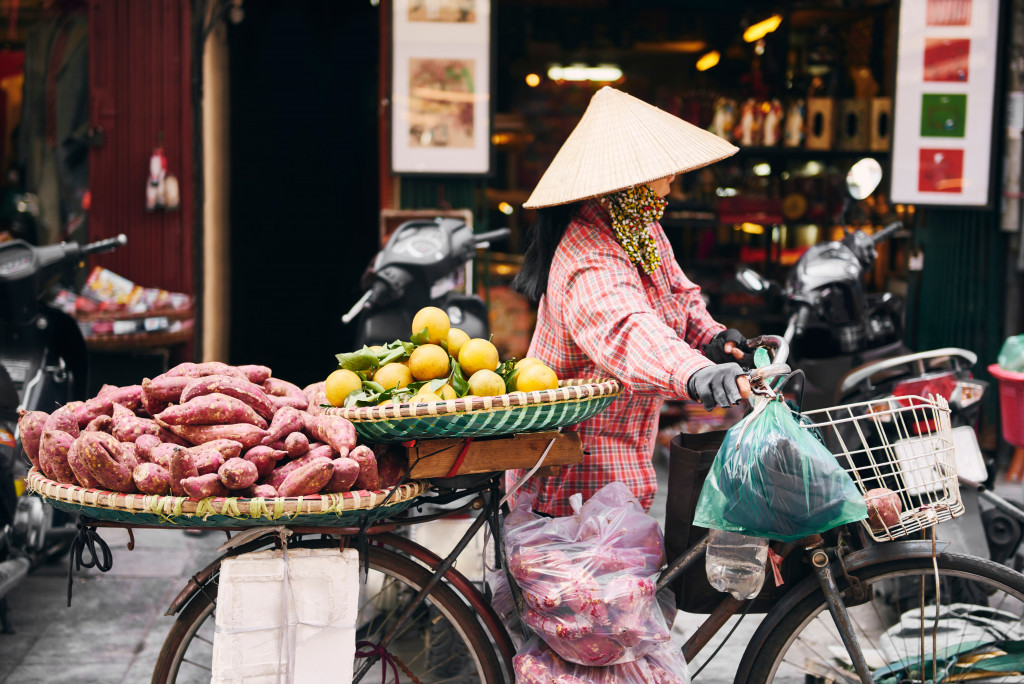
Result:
{"points": [[304, 188]]}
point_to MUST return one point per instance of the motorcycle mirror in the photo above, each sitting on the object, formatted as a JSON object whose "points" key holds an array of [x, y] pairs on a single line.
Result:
{"points": [[752, 280], [863, 178]]}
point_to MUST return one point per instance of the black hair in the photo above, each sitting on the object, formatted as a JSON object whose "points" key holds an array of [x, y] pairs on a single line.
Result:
{"points": [[545, 234]]}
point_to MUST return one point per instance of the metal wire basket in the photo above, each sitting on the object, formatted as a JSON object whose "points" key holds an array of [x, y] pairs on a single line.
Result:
{"points": [[904, 444]]}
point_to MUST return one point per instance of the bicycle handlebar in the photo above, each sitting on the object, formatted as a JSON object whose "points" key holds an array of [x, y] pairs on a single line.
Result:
{"points": [[887, 232], [108, 245]]}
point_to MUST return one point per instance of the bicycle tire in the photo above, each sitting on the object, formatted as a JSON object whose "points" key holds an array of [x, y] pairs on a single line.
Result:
{"points": [[402, 569], [761, 664]]}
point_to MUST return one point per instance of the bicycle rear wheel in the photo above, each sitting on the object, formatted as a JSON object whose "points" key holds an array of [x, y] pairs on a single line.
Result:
{"points": [[442, 642], [972, 618]]}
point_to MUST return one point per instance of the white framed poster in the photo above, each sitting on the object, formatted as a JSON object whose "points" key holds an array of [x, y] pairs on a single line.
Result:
{"points": [[944, 109], [440, 87]]}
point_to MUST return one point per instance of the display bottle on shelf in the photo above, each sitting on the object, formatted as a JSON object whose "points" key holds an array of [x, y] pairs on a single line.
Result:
{"points": [[735, 563]]}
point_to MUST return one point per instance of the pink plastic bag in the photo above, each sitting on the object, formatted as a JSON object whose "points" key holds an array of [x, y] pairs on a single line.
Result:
{"points": [[537, 664], [588, 579]]}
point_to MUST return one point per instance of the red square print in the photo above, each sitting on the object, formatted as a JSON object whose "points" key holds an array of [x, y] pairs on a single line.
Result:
{"points": [[940, 171], [949, 13], [946, 59]]}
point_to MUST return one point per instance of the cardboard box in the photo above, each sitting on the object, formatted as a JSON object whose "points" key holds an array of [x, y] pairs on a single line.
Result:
{"points": [[264, 623], [854, 122], [880, 131], [821, 123]]}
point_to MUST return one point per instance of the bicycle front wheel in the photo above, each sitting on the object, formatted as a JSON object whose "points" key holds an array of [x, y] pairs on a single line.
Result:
{"points": [[443, 642], [913, 624]]}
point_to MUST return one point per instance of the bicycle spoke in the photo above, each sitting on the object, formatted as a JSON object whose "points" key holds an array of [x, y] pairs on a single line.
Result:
{"points": [[195, 664]]}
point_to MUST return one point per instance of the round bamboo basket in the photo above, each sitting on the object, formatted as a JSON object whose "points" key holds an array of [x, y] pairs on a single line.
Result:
{"points": [[326, 510], [516, 412]]}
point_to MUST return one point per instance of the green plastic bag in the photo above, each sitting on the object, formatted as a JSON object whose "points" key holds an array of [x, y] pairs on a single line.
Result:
{"points": [[772, 478], [1011, 355]]}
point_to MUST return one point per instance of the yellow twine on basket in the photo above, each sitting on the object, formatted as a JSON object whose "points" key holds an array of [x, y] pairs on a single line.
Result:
{"points": [[258, 508], [230, 507], [278, 508], [204, 509]]}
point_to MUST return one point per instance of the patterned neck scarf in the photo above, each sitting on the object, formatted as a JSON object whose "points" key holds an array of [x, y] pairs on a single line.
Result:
{"points": [[632, 211]]}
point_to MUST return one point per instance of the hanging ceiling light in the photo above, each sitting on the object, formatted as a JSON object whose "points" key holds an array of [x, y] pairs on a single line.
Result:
{"points": [[708, 60], [756, 32], [604, 73]]}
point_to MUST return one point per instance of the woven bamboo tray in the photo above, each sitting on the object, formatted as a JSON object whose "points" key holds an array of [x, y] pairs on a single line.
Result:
{"points": [[322, 510], [506, 414]]}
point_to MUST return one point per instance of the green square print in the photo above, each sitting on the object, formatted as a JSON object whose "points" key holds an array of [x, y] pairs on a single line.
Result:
{"points": [[943, 116]]}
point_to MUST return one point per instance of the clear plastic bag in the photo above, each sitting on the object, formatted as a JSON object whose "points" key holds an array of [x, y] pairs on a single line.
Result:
{"points": [[588, 579], [774, 479], [535, 663], [1011, 355]]}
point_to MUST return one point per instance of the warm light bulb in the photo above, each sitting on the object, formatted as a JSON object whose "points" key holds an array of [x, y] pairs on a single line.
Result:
{"points": [[708, 60], [505, 208], [761, 29], [532, 80]]}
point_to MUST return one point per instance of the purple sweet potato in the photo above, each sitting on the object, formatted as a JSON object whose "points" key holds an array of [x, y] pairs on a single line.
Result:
{"points": [[333, 430], [128, 427], [198, 370], [308, 479], [106, 389], [129, 455], [238, 473], [102, 455], [368, 476], [203, 486], [30, 428], [245, 434], [286, 421], [228, 448], [262, 491], [152, 479], [211, 409], [129, 396], [239, 388], [79, 467], [345, 473], [53, 456], [94, 408], [62, 419], [207, 460], [182, 468], [255, 374], [296, 444], [165, 388], [284, 393], [264, 458], [100, 424], [391, 468], [280, 473], [161, 454], [144, 446], [316, 395]]}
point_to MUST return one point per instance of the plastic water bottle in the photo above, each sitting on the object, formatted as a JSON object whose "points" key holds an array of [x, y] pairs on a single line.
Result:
{"points": [[735, 563]]}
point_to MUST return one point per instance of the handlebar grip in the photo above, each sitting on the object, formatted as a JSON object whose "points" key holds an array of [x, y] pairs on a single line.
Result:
{"points": [[887, 232], [491, 235], [775, 342], [107, 245]]}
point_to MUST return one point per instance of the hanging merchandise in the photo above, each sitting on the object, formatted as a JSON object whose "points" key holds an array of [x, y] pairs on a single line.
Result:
{"points": [[589, 579], [772, 478], [535, 663], [161, 188]]}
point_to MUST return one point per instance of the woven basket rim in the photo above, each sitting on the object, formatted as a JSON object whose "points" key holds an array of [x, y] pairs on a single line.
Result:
{"points": [[233, 507], [573, 389]]}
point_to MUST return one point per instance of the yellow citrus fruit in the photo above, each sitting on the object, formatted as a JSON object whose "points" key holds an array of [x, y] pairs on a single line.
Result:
{"points": [[340, 384], [424, 396], [435, 321], [486, 383], [456, 338], [446, 392], [476, 355], [524, 363], [392, 375], [386, 402], [428, 361], [535, 377]]}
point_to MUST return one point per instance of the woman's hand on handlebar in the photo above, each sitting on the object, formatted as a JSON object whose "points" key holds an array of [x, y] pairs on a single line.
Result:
{"points": [[727, 346], [723, 385]]}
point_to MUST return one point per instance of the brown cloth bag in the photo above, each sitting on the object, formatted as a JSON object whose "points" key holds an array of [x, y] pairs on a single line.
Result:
{"points": [[690, 459]]}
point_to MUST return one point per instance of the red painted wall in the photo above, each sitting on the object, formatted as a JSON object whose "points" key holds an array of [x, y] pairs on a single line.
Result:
{"points": [[139, 67]]}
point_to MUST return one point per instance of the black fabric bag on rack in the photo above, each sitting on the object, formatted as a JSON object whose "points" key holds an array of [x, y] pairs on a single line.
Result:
{"points": [[690, 459]]}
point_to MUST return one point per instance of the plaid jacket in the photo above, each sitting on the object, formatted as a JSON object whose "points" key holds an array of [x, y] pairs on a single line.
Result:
{"points": [[601, 317]]}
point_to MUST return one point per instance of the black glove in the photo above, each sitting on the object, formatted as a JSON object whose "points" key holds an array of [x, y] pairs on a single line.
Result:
{"points": [[716, 385], [715, 349]]}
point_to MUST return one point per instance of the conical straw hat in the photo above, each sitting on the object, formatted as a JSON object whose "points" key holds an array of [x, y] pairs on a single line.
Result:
{"points": [[621, 142]]}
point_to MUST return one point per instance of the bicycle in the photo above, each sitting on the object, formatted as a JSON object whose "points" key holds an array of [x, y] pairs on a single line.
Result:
{"points": [[422, 616]]}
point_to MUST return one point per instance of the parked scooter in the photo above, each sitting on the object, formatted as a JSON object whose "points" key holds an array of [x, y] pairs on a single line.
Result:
{"points": [[425, 263], [43, 364]]}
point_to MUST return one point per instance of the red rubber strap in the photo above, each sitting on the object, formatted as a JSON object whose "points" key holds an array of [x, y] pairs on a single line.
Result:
{"points": [[461, 457]]}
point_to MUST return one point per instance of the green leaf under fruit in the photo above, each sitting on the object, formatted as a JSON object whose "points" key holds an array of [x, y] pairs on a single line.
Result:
{"points": [[361, 360], [510, 380], [372, 386], [420, 337], [457, 381]]}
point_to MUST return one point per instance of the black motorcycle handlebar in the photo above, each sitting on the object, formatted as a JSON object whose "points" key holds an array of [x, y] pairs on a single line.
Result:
{"points": [[491, 235], [108, 245], [887, 232]]}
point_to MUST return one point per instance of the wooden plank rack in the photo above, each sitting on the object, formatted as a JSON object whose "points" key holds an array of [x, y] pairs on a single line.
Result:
{"points": [[430, 458]]}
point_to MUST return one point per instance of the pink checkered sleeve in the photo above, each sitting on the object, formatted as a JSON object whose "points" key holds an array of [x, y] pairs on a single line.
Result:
{"points": [[611, 318]]}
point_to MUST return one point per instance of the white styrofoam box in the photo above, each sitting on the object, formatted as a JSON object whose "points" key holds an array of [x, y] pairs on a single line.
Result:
{"points": [[441, 536], [318, 628], [916, 459]]}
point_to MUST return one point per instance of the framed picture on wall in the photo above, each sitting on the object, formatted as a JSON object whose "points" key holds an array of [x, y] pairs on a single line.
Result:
{"points": [[440, 87], [945, 107]]}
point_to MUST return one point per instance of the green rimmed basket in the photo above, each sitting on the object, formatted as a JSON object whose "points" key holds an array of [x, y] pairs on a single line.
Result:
{"points": [[321, 510], [506, 414]]}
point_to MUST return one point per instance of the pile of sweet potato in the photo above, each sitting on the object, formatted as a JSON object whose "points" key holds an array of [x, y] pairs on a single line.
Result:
{"points": [[201, 430]]}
